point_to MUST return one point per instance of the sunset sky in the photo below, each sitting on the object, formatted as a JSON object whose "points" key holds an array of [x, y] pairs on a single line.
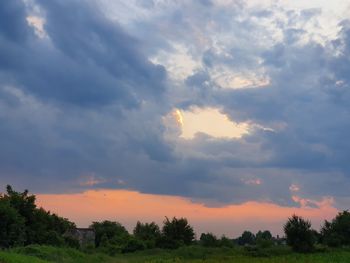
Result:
{"points": [[232, 113]]}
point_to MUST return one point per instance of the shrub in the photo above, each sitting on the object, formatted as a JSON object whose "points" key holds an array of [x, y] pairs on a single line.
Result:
{"points": [[132, 245], [208, 240], [108, 232], [337, 232], [176, 233], [299, 234], [225, 242], [247, 238], [149, 233]]}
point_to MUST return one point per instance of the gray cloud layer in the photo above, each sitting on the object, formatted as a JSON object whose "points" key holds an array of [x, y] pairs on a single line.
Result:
{"points": [[85, 102]]}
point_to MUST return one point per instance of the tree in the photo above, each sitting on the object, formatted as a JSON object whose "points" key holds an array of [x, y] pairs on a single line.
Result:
{"points": [[11, 226], [264, 239], [176, 232], [266, 235], [36, 226], [208, 240], [109, 232], [133, 244], [299, 234], [247, 238], [225, 242], [337, 232], [149, 233]]}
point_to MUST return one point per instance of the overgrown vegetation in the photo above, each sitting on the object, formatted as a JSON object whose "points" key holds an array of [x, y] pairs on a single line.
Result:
{"points": [[23, 223], [32, 234]]}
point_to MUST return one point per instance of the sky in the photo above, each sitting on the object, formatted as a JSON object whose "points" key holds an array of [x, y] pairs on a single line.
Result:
{"points": [[232, 113]]}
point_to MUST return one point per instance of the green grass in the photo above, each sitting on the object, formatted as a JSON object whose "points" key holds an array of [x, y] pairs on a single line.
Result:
{"points": [[192, 254], [40, 254], [11, 257], [197, 254]]}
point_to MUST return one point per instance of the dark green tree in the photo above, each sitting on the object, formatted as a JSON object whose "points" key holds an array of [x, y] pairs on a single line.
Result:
{"points": [[337, 232], [38, 226], [266, 235], [264, 239], [247, 238], [12, 228], [225, 242], [176, 232], [299, 234], [109, 232], [149, 233], [133, 244], [208, 240]]}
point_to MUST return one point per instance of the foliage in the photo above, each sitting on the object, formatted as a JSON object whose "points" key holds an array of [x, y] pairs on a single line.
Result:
{"points": [[176, 233], [247, 238], [208, 240], [299, 234], [23, 223], [225, 242], [11, 225], [337, 232], [264, 235], [264, 239], [108, 232], [149, 233], [133, 244]]}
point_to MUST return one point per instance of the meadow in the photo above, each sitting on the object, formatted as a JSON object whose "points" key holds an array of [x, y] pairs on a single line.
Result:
{"points": [[281, 254]]}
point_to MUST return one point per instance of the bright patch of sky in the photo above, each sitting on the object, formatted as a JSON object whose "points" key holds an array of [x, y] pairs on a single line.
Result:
{"points": [[211, 122]]}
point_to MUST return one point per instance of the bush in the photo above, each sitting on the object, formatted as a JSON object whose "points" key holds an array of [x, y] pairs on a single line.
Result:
{"points": [[247, 238], [176, 233], [149, 233], [72, 242], [22, 223], [208, 240], [225, 242], [299, 234], [337, 232], [264, 239], [108, 232], [132, 245], [12, 226]]}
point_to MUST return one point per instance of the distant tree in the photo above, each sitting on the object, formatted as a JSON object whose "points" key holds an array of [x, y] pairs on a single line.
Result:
{"points": [[109, 232], [247, 238], [177, 232], [47, 228], [208, 240], [225, 242], [299, 234], [266, 235], [264, 239], [133, 244], [337, 232], [149, 233]]}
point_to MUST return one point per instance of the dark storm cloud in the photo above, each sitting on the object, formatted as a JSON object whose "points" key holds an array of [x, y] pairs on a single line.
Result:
{"points": [[64, 97], [85, 102], [87, 61]]}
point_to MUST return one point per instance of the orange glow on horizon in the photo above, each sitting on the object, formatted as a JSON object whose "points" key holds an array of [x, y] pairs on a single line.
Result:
{"points": [[128, 207]]}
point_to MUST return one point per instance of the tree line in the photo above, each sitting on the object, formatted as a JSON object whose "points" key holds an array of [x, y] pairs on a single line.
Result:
{"points": [[23, 223]]}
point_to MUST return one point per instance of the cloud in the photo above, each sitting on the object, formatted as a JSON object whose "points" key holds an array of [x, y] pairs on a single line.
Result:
{"points": [[83, 106], [87, 61]]}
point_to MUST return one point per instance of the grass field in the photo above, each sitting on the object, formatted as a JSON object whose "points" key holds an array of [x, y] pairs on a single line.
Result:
{"points": [[42, 254]]}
